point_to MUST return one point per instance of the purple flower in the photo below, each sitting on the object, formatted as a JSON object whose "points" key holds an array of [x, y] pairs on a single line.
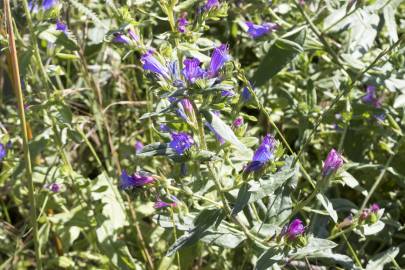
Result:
{"points": [[3, 151], [371, 97], [54, 187], [211, 4], [374, 208], [61, 26], [164, 128], [238, 122], [188, 107], [152, 64], [192, 70], [227, 93], [46, 4], [138, 147], [181, 24], [161, 204], [257, 30], [120, 38], [219, 57], [219, 137], [333, 162], [246, 94], [181, 142], [263, 154], [134, 36], [138, 179], [296, 228]]}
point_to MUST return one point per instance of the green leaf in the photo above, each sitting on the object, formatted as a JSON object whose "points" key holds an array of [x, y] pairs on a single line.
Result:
{"points": [[314, 245], [224, 131], [206, 219], [156, 149], [328, 206], [371, 229], [242, 199], [379, 260], [67, 41], [268, 258], [279, 55], [110, 220]]}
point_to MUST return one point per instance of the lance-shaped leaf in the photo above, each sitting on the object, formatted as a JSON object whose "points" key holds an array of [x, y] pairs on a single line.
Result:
{"points": [[328, 206], [224, 131], [279, 55]]}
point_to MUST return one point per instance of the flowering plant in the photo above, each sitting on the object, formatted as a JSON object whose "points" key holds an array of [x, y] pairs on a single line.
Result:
{"points": [[202, 134]]}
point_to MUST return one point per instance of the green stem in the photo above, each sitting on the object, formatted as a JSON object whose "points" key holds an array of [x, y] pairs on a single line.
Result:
{"points": [[27, 155], [356, 258]]}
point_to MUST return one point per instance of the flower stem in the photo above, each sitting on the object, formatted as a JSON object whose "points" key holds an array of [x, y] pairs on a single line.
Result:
{"points": [[27, 156]]}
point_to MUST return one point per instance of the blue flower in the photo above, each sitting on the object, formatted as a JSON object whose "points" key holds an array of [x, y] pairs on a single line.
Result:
{"points": [[263, 154], [138, 179], [60, 26], [3, 151], [227, 93], [246, 94], [164, 128], [181, 142], [219, 57], [192, 70], [120, 38], [257, 30], [46, 4], [152, 64]]}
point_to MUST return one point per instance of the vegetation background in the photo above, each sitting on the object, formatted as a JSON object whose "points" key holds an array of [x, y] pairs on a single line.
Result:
{"points": [[331, 74]]}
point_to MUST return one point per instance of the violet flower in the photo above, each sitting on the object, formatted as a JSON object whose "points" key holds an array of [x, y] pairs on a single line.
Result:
{"points": [[121, 38], [152, 64], [60, 26], [161, 204], [219, 57], [295, 229], [134, 36], [138, 147], [3, 151], [257, 30], [192, 70], [374, 208], [211, 4], [246, 96], [46, 4], [371, 97], [54, 187], [227, 93], [332, 162], [263, 154], [188, 107], [138, 179], [181, 24], [238, 122], [164, 128], [181, 142]]}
